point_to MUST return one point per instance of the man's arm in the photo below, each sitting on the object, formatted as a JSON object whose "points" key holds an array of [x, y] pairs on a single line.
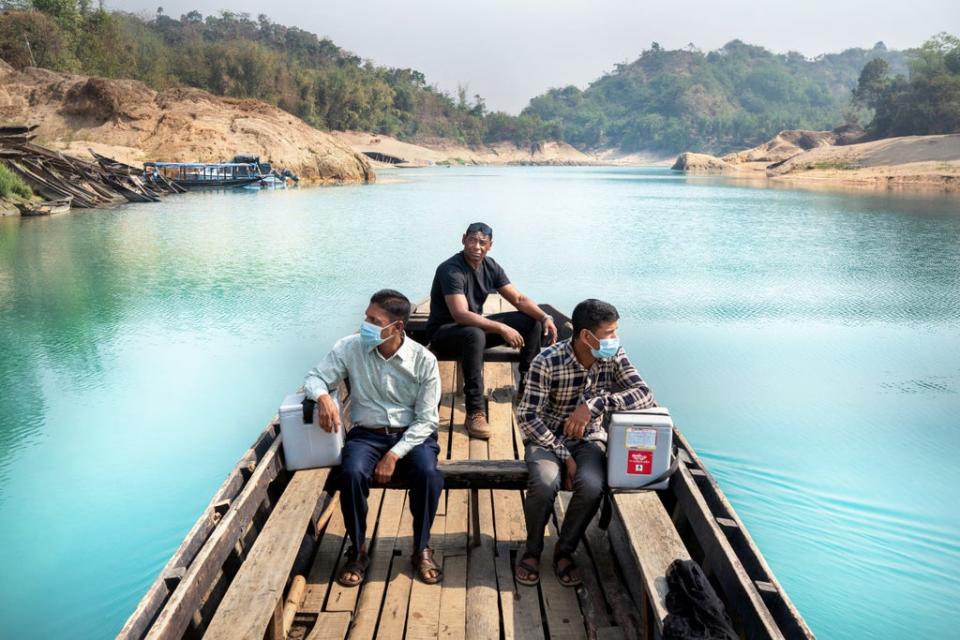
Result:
{"points": [[457, 303], [529, 307], [328, 374], [321, 379], [535, 395], [460, 310], [634, 394], [454, 291], [426, 416], [521, 302]]}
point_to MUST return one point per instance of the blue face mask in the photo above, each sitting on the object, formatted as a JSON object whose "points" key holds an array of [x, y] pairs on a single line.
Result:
{"points": [[370, 334], [608, 348]]}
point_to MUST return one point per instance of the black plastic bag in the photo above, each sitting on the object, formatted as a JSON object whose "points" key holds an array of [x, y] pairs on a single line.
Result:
{"points": [[694, 611]]}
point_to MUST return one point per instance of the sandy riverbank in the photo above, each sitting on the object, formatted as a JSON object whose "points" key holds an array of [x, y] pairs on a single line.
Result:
{"points": [[912, 162], [904, 163], [126, 120], [443, 151]]}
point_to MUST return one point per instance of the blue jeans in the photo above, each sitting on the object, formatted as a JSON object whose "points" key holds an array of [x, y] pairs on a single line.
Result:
{"points": [[418, 470]]}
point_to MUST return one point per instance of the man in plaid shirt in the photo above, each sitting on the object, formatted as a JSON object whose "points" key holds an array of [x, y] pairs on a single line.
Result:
{"points": [[570, 387]]}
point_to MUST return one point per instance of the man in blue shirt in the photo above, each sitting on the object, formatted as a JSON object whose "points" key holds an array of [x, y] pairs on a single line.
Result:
{"points": [[395, 394]]}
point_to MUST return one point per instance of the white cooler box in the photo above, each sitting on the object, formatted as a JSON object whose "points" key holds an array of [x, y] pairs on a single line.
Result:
{"points": [[639, 444], [307, 446]]}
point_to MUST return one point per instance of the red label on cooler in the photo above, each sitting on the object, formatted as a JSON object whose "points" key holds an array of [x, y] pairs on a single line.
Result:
{"points": [[639, 463]]}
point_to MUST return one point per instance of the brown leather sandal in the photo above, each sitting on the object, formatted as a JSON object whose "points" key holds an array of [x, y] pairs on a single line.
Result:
{"points": [[356, 565], [423, 562]]}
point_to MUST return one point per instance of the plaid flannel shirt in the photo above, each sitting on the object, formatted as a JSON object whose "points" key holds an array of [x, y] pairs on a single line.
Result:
{"points": [[557, 383]]}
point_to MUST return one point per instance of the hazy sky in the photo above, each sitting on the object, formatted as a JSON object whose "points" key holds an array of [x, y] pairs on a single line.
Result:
{"points": [[511, 50]]}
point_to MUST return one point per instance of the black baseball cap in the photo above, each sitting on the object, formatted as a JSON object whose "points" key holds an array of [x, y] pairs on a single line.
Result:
{"points": [[482, 227]]}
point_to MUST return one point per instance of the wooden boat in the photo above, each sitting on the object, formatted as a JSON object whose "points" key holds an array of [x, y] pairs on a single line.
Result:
{"points": [[260, 561], [206, 174], [47, 208], [155, 185]]}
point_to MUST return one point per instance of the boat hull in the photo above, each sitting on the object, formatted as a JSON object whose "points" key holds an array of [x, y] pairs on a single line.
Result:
{"points": [[229, 547], [49, 208], [217, 184]]}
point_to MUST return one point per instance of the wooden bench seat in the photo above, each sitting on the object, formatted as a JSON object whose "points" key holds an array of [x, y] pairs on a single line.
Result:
{"points": [[643, 536], [476, 474], [255, 597]]}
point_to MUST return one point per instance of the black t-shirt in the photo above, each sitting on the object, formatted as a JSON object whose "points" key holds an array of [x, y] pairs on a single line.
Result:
{"points": [[454, 276]]}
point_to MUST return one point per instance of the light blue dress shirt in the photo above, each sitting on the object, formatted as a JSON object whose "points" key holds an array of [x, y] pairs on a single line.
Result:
{"points": [[400, 391]]}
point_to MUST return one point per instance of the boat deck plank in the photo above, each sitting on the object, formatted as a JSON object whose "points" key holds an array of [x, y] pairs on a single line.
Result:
{"points": [[345, 598]]}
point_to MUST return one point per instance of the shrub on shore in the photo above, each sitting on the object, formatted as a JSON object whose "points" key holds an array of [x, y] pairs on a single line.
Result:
{"points": [[11, 184]]}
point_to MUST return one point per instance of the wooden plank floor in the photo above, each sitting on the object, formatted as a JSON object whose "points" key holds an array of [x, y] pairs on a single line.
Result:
{"points": [[478, 598]]}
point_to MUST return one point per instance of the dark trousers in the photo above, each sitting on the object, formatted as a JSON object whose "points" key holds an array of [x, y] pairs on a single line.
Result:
{"points": [[418, 470], [466, 344], [545, 477]]}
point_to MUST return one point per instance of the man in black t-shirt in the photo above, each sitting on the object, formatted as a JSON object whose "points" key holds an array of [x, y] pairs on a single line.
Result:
{"points": [[457, 327]]}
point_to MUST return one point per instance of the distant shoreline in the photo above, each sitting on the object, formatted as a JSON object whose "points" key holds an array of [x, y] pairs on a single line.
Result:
{"points": [[908, 163], [450, 152]]}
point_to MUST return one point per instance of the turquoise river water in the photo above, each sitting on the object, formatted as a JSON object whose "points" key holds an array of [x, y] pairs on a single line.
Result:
{"points": [[808, 344]]}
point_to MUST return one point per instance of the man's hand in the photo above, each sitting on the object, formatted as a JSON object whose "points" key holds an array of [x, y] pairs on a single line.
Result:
{"points": [[511, 336], [550, 330], [569, 474], [384, 469], [574, 426], [328, 413]]}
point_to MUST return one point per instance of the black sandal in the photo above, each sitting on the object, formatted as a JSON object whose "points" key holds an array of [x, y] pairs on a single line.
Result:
{"points": [[563, 575], [530, 569], [355, 564]]}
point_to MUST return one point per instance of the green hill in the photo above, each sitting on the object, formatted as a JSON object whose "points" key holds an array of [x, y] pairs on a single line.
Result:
{"points": [[233, 55], [666, 100], [735, 97]]}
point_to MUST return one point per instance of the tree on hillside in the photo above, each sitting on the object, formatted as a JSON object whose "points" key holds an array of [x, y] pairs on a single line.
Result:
{"points": [[926, 102], [31, 39]]}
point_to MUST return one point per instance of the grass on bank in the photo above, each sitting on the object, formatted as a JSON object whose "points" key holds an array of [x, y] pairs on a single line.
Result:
{"points": [[11, 184]]}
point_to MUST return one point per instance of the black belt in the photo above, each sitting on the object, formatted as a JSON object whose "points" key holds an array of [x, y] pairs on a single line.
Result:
{"points": [[386, 430], [309, 405]]}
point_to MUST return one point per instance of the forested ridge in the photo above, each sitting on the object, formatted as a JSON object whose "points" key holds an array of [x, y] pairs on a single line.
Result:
{"points": [[735, 97], [665, 100]]}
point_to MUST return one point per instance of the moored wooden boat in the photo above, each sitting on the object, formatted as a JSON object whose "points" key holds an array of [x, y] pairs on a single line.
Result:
{"points": [[46, 208], [206, 174], [260, 560]]}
